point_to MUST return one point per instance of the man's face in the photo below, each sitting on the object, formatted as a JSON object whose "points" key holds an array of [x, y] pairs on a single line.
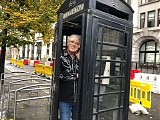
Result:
{"points": [[73, 45]]}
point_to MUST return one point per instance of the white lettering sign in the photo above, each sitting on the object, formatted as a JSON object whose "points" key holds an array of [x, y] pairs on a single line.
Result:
{"points": [[74, 10]]}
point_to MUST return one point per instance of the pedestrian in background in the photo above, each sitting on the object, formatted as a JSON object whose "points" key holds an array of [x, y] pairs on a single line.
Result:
{"points": [[68, 79]]}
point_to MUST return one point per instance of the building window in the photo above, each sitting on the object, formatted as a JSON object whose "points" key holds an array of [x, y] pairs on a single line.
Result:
{"points": [[143, 1], [150, 0], [142, 20], [149, 52], [129, 2], [151, 19], [158, 24]]}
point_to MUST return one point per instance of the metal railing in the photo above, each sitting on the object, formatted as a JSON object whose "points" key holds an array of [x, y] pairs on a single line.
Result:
{"points": [[25, 83], [147, 67]]}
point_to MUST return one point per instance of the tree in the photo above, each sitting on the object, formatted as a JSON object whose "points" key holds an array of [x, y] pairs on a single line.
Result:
{"points": [[21, 19]]}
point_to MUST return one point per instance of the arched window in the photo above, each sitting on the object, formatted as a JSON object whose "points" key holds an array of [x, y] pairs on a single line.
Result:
{"points": [[149, 52]]}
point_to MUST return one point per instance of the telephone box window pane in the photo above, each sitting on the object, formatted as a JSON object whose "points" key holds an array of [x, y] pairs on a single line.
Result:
{"points": [[100, 68], [109, 85], [99, 48], [122, 84], [112, 53], [95, 104], [65, 41], [105, 69], [109, 115], [113, 36], [109, 101], [121, 114], [122, 99], [97, 86]]}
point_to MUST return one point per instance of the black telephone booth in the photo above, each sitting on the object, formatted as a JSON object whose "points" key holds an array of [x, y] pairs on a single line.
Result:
{"points": [[105, 27]]}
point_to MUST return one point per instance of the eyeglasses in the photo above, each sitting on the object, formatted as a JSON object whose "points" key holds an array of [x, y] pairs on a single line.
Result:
{"points": [[74, 42]]}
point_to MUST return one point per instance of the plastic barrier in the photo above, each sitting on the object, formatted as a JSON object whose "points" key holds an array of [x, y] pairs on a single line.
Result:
{"points": [[12, 61], [140, 92], [152, 79], [36, 62], [48, 71], [25, 61], [39, 69], [132, 73], [19, 63]]}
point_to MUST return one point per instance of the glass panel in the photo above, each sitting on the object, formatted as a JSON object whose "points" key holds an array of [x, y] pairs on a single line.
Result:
{"points": [[150, 46], [106, 69], [100, 34], [157, 58], [129, 2], [110, 85], [143, 47], [121, 114], [157, 47], [151, 0], [64, 40], [122, 100], [151, 19], [112, 36], [108, 101], [150, 57], [122, 84], [142, 20], [99, 51], [95, 103], [141, 57], [143, 1], [96, 87], [102, 68], [112, 52], [158, 24], [110, 115]]}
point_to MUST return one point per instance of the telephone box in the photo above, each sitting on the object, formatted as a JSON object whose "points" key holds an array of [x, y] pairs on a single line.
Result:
{"points": [[105, 27]]}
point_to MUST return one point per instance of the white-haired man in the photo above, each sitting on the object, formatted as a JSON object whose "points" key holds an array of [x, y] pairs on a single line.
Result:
{"points": [[69, 69]]}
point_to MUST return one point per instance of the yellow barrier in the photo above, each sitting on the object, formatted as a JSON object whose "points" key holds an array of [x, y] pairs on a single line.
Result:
{"points": [[48, 71], [19, 63], [12, 61], [140, 92], [39, 69]]}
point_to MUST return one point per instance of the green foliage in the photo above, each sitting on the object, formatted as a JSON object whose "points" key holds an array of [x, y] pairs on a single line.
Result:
{"points": [[24, 18]]}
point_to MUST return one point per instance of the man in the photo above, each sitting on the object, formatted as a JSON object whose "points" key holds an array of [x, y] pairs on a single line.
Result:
{"points": [[69, 68]]}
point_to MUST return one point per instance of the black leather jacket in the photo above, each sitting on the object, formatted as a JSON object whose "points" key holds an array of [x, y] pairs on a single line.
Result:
{"points": [[69, 68]]}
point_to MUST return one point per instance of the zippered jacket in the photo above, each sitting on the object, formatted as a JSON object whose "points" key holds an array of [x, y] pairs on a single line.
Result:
{"points": [[69, 68]]}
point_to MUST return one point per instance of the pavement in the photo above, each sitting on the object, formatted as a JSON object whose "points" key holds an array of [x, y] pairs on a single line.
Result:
{"points": [[154, 111], [35, 109], [13, 68]]}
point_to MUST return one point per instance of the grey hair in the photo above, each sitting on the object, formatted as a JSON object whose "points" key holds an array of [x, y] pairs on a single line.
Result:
{"points": [[75, 36]]}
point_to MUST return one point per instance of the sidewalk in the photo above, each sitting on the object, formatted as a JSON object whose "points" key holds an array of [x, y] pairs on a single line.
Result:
{"points": [[30, 106], [13, 68]]}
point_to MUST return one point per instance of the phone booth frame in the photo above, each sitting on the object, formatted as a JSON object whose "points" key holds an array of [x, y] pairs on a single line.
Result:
{"points": [[95, 20]]}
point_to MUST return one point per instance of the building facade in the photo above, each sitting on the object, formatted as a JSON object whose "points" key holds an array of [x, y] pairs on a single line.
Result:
{"points": [[146, 31], [38, 50]]}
